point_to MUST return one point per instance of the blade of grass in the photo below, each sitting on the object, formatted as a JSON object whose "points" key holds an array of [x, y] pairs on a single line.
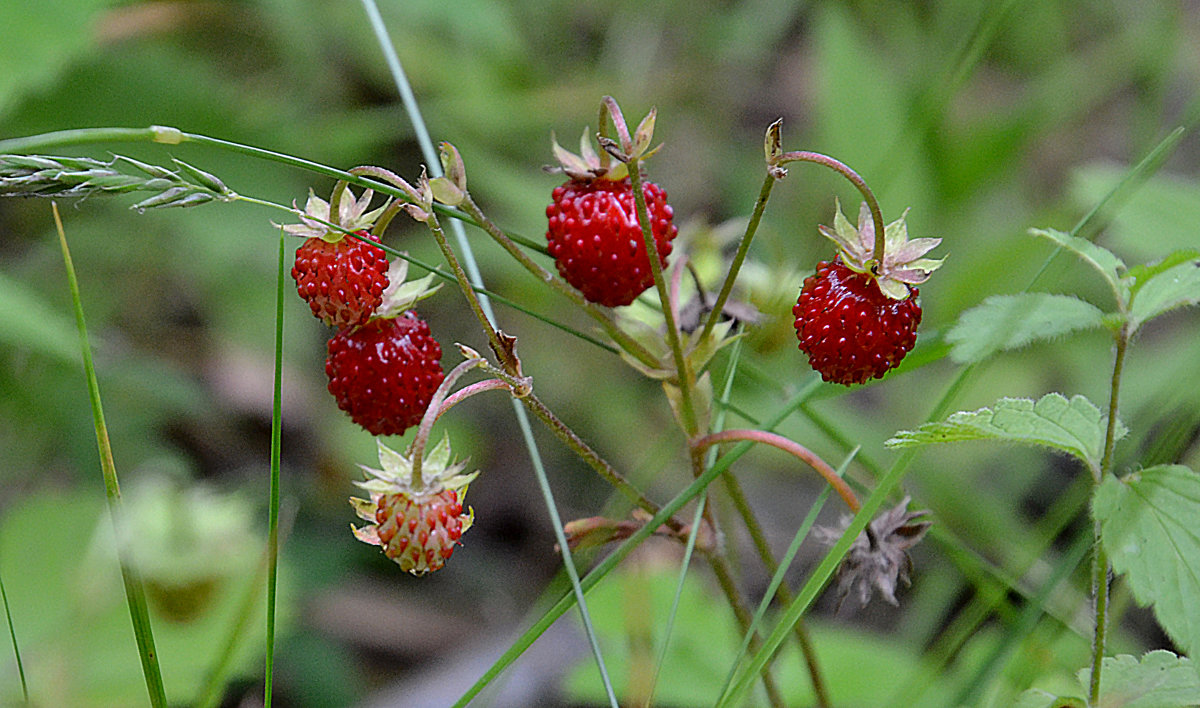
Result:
{"points": [[276, 443], [697, 517], [472, 268], [777, 579], [12, 632], [135, 593], [602, 569]]}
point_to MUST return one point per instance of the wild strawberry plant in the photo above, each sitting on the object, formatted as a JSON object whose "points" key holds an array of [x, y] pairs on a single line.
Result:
{"points": [[611, 235]]}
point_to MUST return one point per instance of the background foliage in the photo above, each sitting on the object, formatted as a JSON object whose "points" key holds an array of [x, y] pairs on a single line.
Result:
{"points": [[986, 118]]}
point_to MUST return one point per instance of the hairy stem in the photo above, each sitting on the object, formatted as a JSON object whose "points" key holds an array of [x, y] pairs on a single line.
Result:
{"points": [[1100, 569], [432, 412]]}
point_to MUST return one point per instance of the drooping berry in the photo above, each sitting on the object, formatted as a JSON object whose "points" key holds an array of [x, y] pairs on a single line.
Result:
{"points": [[342, 281], [384, 373], [342, 278], [418, 523], [856, 318], [850, 330], [597, 243]]}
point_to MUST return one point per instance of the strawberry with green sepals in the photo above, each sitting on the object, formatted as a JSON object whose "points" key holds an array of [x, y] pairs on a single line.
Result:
{"points": [[593, 231], [341, 277], [857, 318], [384, 373], [417, 523]]}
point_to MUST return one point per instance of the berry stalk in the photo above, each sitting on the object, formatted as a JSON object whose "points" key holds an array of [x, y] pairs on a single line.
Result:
{"points": [[859, 183], [417, 451]]}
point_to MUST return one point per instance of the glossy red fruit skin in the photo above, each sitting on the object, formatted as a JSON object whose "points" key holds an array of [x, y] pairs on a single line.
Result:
{"points": [[850, 330], [420, 533], [343, 282], [596, 242], [384, 373]]}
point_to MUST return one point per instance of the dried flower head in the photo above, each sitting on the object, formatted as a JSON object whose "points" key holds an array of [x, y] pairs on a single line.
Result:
{"points": [[879, 556]]}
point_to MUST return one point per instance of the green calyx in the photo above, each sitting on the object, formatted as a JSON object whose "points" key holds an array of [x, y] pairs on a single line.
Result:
{"points": [[903, 264]]}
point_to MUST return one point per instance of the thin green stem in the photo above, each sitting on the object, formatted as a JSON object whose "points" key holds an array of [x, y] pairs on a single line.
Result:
{"points": [[683, 370], [856, 180], [135, 593], [559, 285], [1100, 569], [735, 267], [12, 632], [273, 499]]}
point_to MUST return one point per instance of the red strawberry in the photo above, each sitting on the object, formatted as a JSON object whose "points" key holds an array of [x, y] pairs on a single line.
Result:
{"points": [[857, 318], [342, 281], [418, 523], [850, 330], [385, 372], [597, 243]]}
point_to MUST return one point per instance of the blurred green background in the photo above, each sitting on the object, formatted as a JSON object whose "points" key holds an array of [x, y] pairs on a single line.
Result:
{"points": [[986, 118]]}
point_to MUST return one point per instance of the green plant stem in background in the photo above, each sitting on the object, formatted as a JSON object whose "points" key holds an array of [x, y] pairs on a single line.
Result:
{"points": [[12, 632], [273, 502], [135, 593], [735, 267]]}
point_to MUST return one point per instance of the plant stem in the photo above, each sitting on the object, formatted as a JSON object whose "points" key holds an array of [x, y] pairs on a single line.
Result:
{"points": [[432, 412], [595, 461], [498, 235], [273, 494], [1100, 569], [683, 370], [791, 447], [858, 182], [735, 267], [135, 593], [734, 488]]}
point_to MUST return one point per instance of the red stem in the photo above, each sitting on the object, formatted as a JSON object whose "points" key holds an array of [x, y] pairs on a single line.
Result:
{"points": [[789, 446]]}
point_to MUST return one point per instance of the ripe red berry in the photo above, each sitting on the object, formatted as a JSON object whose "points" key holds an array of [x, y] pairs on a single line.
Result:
{"points": [[420, 531], [385, 372], [596, 241], [343, 282], [850, 330]]}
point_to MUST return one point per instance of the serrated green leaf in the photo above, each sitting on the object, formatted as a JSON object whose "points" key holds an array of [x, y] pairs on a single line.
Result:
{"points": [[1160, 292], [1074, 426], [1148, 526], [1160, 680], [1010, 321], [1097, 257]]}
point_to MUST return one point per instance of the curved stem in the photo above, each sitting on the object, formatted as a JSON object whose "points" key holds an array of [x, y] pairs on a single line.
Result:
{"points": [[791, 447], [858, 182], [432, 411]]}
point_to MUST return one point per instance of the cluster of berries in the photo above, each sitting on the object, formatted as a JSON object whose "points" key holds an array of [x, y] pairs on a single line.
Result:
{"points": [[855, 318], [384, 367]]}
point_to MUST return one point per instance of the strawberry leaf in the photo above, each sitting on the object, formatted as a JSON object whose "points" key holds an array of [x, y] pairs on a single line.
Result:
{"points": [[1160, 680], [1148, 526], [1157, 291], [1011, 321], [1097, 257], [1073, 426]]}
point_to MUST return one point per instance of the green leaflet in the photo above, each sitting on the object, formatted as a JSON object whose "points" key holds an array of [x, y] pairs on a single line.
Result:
{"points": [[1148, 526], [1098, 257], [1161, 290], [1074, 426], [1010, 321], [1159, 680]]}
